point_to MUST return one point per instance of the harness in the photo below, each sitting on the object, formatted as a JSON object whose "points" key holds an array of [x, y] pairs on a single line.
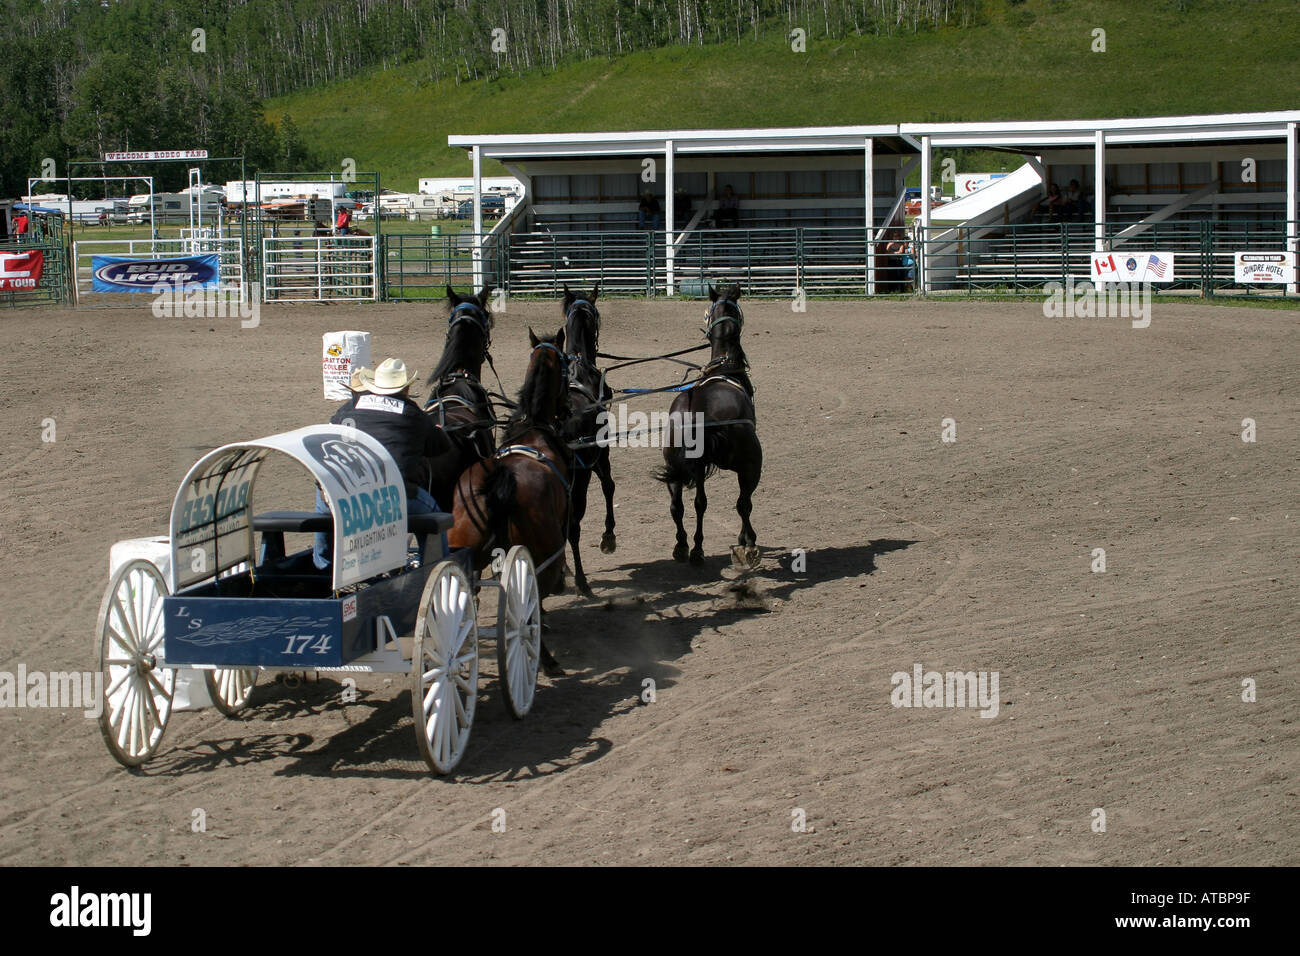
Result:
{"points": [[711, 371], [530, 452]]}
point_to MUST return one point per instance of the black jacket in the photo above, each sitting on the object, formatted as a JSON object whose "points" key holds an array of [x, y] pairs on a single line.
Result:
{"points": [[398, 424]]}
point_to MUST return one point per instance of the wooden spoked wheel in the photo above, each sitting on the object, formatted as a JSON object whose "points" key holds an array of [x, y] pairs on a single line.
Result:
{"points": [[230, 688], [137, 690], [519, 631], [444, 667]]}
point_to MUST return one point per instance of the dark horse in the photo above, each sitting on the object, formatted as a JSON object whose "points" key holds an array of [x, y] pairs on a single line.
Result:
{"points": [[458, 404], [588, 397], [520, 495], [724, 396]]}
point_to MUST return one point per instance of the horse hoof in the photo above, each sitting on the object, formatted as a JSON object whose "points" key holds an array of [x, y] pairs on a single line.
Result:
{"points": [[552, 669], [584, 588], [608, 544], [744, 557], [697, 557], [679, 553]]}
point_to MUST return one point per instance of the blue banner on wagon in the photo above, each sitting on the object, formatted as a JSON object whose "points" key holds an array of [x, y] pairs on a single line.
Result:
{"points": [[126, 274]]}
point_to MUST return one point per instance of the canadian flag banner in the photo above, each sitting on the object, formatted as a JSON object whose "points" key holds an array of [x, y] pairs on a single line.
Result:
{"points": [[21, 270], [1132, 266]]}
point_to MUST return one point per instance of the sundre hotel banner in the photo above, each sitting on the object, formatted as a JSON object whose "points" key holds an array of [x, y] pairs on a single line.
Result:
{"points": [[122, 274]]}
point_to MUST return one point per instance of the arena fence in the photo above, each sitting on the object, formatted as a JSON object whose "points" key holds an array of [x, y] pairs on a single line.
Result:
{"points": [[417, 268], [1022, 258], [320, 269], [17, 287], [229, 252]]}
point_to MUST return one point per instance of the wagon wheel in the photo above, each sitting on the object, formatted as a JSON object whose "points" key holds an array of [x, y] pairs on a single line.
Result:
{"points": [[444, 667], [231, 687], [137, 689], [519, 631]]}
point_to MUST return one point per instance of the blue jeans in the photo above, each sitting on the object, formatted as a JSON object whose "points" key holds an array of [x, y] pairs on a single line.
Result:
{"points": [[421, 503]]}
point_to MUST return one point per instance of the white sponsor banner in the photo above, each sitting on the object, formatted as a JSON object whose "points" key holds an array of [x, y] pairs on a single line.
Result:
{"points": [[154, 154], [967, 183], [1251, 268], [211, 521], [1132, 267]]}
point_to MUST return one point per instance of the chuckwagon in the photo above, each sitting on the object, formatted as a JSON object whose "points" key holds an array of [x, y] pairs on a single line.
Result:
{"points": [[208, 609]]}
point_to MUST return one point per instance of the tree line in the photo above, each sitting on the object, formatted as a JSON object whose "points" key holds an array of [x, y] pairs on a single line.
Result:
{"points": [[79, 78]]}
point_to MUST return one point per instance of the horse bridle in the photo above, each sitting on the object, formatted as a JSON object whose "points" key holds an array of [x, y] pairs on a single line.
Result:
{"points": [[738, 318], [564, 360], [479, 318]]}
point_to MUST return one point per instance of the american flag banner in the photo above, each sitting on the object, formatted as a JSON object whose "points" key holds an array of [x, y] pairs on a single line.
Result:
{"points": [[1156, 265]]}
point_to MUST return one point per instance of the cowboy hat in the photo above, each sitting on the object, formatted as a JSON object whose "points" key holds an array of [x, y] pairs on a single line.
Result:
{"points": [[355, 382], [389, 378]]}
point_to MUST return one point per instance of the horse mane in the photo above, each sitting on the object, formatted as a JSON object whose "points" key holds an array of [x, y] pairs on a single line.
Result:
{"points": [[588, 327], [465, 348], [530, 407], [462, 350]]}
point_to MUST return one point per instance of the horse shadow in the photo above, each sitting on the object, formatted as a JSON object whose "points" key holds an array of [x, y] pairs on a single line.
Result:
{"points": [[619, 651]]}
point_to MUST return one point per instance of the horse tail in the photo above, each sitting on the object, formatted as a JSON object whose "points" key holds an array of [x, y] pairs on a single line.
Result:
{"points": [[499, 496], [678, 471]]}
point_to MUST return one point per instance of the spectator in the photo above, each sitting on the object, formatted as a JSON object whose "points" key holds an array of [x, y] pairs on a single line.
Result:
{"points": [[343, 223], [1052, 206], [21, 224], [648, 213], [892, 268], [1074, 201], [728, 208]]}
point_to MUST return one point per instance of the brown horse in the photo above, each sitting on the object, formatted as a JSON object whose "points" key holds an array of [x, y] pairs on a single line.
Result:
{"points": [[521, 494]]}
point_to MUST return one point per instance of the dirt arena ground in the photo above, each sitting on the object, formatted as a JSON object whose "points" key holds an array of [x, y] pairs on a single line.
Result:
{"points": [[1119, 691]]}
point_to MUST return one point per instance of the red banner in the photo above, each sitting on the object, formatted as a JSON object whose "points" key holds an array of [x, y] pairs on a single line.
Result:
{"points": [[21, 270]]}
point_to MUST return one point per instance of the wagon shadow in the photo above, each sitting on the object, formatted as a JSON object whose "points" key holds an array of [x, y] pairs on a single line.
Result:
{"points": [[634, 632]]}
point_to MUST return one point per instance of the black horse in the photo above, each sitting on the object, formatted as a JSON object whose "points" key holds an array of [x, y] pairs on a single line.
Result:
{"points": [[588, 397], [458, 404], [723, 400]]}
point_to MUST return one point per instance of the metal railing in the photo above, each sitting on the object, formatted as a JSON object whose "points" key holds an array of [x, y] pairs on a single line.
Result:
{"points": [[1021, 258], [51, 288], [320, 269]]}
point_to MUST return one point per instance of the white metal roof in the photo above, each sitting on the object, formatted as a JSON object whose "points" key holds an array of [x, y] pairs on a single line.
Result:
{"points": [[1119, 132], [685, 141]]}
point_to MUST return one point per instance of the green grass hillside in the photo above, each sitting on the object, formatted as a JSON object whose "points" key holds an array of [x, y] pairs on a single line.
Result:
{"points": [[1029, 60]]}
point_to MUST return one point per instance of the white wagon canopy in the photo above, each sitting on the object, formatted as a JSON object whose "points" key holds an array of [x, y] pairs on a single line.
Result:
{"points": [[212, 516]]}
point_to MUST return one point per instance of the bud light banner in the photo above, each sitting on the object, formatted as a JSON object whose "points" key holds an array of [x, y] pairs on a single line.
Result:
{"points": [[125, 274]]}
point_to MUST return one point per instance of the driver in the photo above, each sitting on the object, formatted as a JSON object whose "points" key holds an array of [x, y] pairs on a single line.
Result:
{"points": [[382, 407]]}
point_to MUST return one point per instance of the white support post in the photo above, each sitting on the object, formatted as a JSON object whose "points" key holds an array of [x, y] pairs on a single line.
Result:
{"points": [[869, 209], [476, 155], [925, 213], [1099, 192], [1292, 201], [669, 196], [196, 207]]}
